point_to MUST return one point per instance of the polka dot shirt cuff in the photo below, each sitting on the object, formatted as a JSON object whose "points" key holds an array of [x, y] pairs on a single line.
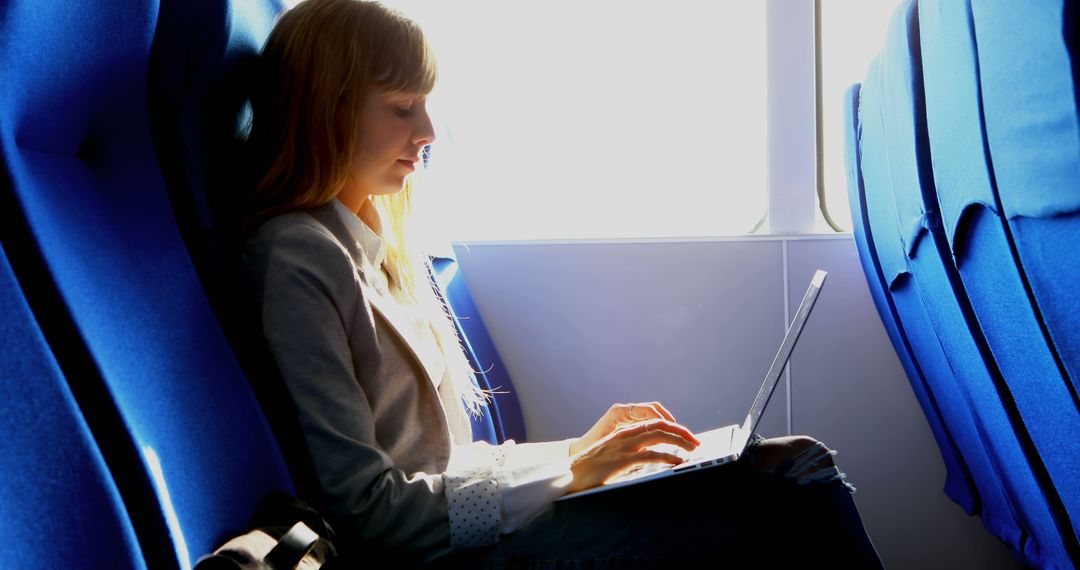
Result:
{"points": [[473, 500]]}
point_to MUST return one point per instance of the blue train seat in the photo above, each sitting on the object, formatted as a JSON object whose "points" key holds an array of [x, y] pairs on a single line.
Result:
{"points": [[959, 485], [1019, 465], [201, 64], [92, 221], [1030, 102], [61, 507], [915, 241], [943, 379], [1032, 125], [978, 239], [502, 419]]}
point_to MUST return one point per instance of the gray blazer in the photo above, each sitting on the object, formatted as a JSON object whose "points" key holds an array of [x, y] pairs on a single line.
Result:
{"points": [[378, 431]]}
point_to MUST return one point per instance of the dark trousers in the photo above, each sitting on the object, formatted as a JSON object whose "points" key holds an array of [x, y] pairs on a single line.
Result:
{"points": [[730, 516]]}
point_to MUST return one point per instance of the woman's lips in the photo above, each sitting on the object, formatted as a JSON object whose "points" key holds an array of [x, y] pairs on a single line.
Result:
{"points": [[408, 163]]}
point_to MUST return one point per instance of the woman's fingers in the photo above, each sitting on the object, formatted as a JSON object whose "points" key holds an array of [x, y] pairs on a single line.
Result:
{"points": [[646, 456], [625, 461], [643, 411], [675, 428], [655, 432], [592, 470], [620, 416], [620, 441], [663, 411]]}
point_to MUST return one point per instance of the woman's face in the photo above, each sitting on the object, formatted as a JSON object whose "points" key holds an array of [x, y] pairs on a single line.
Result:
{"points": [[395, 127]]}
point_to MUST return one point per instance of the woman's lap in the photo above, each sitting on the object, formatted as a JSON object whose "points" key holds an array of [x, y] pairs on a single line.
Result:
{"points": [[732, 511]]}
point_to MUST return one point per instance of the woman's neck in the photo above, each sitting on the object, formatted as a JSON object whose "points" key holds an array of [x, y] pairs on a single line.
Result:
{"points": [[370, 216], [364, 209]]}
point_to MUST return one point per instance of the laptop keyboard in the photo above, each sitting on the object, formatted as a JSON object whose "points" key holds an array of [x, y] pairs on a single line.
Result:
{"points": [[710, 442], [650, 468]]}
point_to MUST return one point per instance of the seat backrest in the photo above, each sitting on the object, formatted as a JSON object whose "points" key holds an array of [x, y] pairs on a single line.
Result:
{"points": [[1030, 99], [1034, 500], [202, 64], [1019, 502], [980, 241], [1028, 73], [911, 315], [502, 419], [192, 455], [61, 506], [942, 375], [1032, 117], [959, 485]]}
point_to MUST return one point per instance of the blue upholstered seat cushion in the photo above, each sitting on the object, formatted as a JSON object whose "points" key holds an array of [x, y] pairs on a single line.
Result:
{"points": [[1032, 498], [87, 187], [1028, 73], [953, 110], [942, 375], [993, 276], [61, 506], [959, 485], [502, 419]]}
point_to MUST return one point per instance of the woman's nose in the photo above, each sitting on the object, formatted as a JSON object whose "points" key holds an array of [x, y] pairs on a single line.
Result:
{"points": [[425, 130]]}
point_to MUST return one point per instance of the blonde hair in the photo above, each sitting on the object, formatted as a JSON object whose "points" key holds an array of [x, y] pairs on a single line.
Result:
{"points": [[321, 60]]}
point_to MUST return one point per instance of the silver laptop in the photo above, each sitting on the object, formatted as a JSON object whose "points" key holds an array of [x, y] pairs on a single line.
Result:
{"points": [[726, 444]]}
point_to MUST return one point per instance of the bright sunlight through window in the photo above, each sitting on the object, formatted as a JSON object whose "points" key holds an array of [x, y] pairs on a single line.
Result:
{"points": [[852, 32], [565, 119]]}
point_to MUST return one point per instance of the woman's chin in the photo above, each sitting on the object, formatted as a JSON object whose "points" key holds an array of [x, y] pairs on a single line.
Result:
{"points": [[391, 188]]}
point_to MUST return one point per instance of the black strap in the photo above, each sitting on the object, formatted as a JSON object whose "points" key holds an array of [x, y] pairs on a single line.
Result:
{"points": [[291, 548]]}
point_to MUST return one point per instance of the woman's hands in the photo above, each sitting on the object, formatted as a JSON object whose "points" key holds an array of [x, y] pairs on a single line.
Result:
{"points": [[618, 440], [617, 416]]}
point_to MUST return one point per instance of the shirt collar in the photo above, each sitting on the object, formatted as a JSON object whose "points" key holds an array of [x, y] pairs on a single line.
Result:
{"points": [[371, 243]]}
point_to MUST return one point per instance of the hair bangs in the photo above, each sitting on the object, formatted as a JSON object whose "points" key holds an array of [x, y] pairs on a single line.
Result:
{"points": [[405, 62]]}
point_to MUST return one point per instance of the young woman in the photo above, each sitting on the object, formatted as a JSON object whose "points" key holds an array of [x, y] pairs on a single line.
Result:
{"points": [[380, 383]]}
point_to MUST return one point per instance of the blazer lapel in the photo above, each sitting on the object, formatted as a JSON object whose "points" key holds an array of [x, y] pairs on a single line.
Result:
{"points": [[327, 216]]}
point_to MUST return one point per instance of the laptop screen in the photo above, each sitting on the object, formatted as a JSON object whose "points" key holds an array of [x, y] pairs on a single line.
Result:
{"points": [[782, 356]]}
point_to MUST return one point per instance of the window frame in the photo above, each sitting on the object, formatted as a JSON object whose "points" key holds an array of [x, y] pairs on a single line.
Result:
{"points": [[823, 203], [795, 185], [791, 148]]}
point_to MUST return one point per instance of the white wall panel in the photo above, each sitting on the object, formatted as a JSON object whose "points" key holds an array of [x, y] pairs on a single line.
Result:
{"points": [[581, 326]]}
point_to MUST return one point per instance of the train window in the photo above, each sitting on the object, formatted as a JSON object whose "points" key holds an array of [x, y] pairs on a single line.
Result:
{"points": [[850, 34], [566, 119]]}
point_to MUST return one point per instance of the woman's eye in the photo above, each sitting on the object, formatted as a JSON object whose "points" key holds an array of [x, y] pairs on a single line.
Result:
{"points": [[402, 112]]}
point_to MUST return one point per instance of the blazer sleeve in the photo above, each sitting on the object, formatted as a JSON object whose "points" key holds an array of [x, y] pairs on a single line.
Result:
{"points": [[307, 295]]}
